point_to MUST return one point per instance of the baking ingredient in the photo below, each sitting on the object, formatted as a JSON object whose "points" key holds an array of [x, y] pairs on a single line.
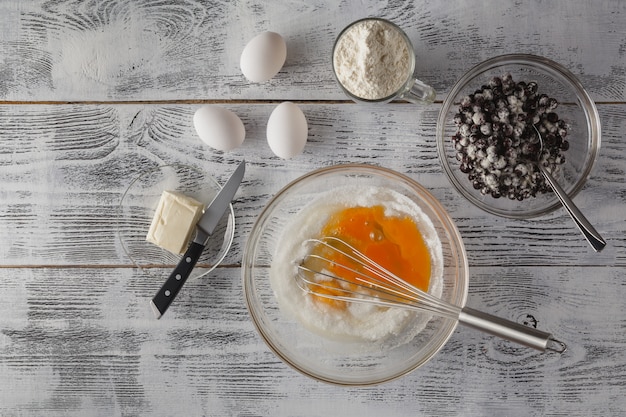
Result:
{"points": [[219, 128], [174, 220], [348, 212], [372, 59], [287, 130], [393, 242], [263, 57], [496, 143]]}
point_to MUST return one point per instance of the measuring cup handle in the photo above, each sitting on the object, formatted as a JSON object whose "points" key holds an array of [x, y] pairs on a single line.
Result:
{"points": [[419, 92], [510, 330]]}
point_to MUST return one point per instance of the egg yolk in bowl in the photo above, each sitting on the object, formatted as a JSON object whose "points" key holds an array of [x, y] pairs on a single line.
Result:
{"points": [[392, 242], [382, 224]]}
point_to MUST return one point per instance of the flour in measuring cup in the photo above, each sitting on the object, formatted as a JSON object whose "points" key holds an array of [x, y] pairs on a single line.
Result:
{"points": [[372, 59]]}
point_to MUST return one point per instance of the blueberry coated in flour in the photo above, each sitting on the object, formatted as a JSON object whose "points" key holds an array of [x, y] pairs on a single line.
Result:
{"points": [[496, 143]]}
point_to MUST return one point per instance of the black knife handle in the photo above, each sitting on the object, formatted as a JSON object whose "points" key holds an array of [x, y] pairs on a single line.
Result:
{"points": [[174, 283]]}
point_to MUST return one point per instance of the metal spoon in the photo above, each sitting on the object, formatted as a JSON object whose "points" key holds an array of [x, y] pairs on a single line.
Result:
{"points": [[591, 234]]}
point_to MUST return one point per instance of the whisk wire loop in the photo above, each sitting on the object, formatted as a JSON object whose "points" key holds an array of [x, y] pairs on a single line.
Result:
{"points": [[370, 282], [365, 281]]}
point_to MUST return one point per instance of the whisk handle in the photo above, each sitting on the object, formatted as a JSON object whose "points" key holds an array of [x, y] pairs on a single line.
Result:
{"points": [[510, 330]]}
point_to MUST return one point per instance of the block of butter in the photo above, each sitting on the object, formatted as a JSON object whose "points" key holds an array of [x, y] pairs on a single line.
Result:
{"points": [[174, 221]]}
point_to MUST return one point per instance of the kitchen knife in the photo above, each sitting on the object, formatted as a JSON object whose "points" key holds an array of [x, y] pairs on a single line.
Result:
{"points": [[205, 226]]}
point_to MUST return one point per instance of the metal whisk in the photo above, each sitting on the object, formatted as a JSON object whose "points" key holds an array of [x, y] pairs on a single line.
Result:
{"points": [[372, 284]]}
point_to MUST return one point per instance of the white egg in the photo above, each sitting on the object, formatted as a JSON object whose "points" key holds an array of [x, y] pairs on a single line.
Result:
{"points": [[219, 128], [263, 57], [287, 130]]}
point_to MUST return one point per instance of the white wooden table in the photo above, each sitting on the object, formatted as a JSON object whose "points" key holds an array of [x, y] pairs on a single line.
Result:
{"points": [[94, 93]]}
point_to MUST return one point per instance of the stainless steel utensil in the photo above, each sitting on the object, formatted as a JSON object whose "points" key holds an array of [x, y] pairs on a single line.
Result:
{"points": [[364, 281], [591, 234], [204, 228]]}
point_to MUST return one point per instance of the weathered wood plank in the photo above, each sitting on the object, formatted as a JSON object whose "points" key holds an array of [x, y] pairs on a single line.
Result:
{"points": [[85, 339], [64, 170], [190, 49]]}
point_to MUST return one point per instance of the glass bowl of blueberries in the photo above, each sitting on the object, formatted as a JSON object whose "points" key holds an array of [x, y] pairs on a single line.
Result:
{"points": [[487, 134]]}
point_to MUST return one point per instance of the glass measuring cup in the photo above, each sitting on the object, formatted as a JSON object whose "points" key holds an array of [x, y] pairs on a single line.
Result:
{"points": [[362, 67]]}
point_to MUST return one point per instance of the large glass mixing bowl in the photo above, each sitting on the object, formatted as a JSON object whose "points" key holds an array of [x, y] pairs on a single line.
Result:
{"points": [[346, 362]]}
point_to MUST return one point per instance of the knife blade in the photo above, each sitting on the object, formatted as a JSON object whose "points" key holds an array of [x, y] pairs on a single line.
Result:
{"points": [[204, 228]]}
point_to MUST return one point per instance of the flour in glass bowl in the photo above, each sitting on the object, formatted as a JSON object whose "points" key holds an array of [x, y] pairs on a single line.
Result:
{"points": [[372, 59], [359, 322]]}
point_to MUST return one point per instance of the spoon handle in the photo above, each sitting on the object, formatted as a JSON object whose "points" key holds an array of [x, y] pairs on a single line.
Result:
{"points": [[591, 234]]}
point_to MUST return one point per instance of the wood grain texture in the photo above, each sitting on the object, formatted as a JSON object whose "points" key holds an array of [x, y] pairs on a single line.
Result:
{"points": [[94, 93], [184, 49], [79, 159], [82, 342], [86, 337]]}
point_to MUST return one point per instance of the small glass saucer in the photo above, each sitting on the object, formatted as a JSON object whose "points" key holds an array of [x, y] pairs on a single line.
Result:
{"points": [[137, 207]]}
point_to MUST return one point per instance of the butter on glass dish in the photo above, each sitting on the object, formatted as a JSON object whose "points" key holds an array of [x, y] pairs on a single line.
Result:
{"points": [[139, 205]]}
